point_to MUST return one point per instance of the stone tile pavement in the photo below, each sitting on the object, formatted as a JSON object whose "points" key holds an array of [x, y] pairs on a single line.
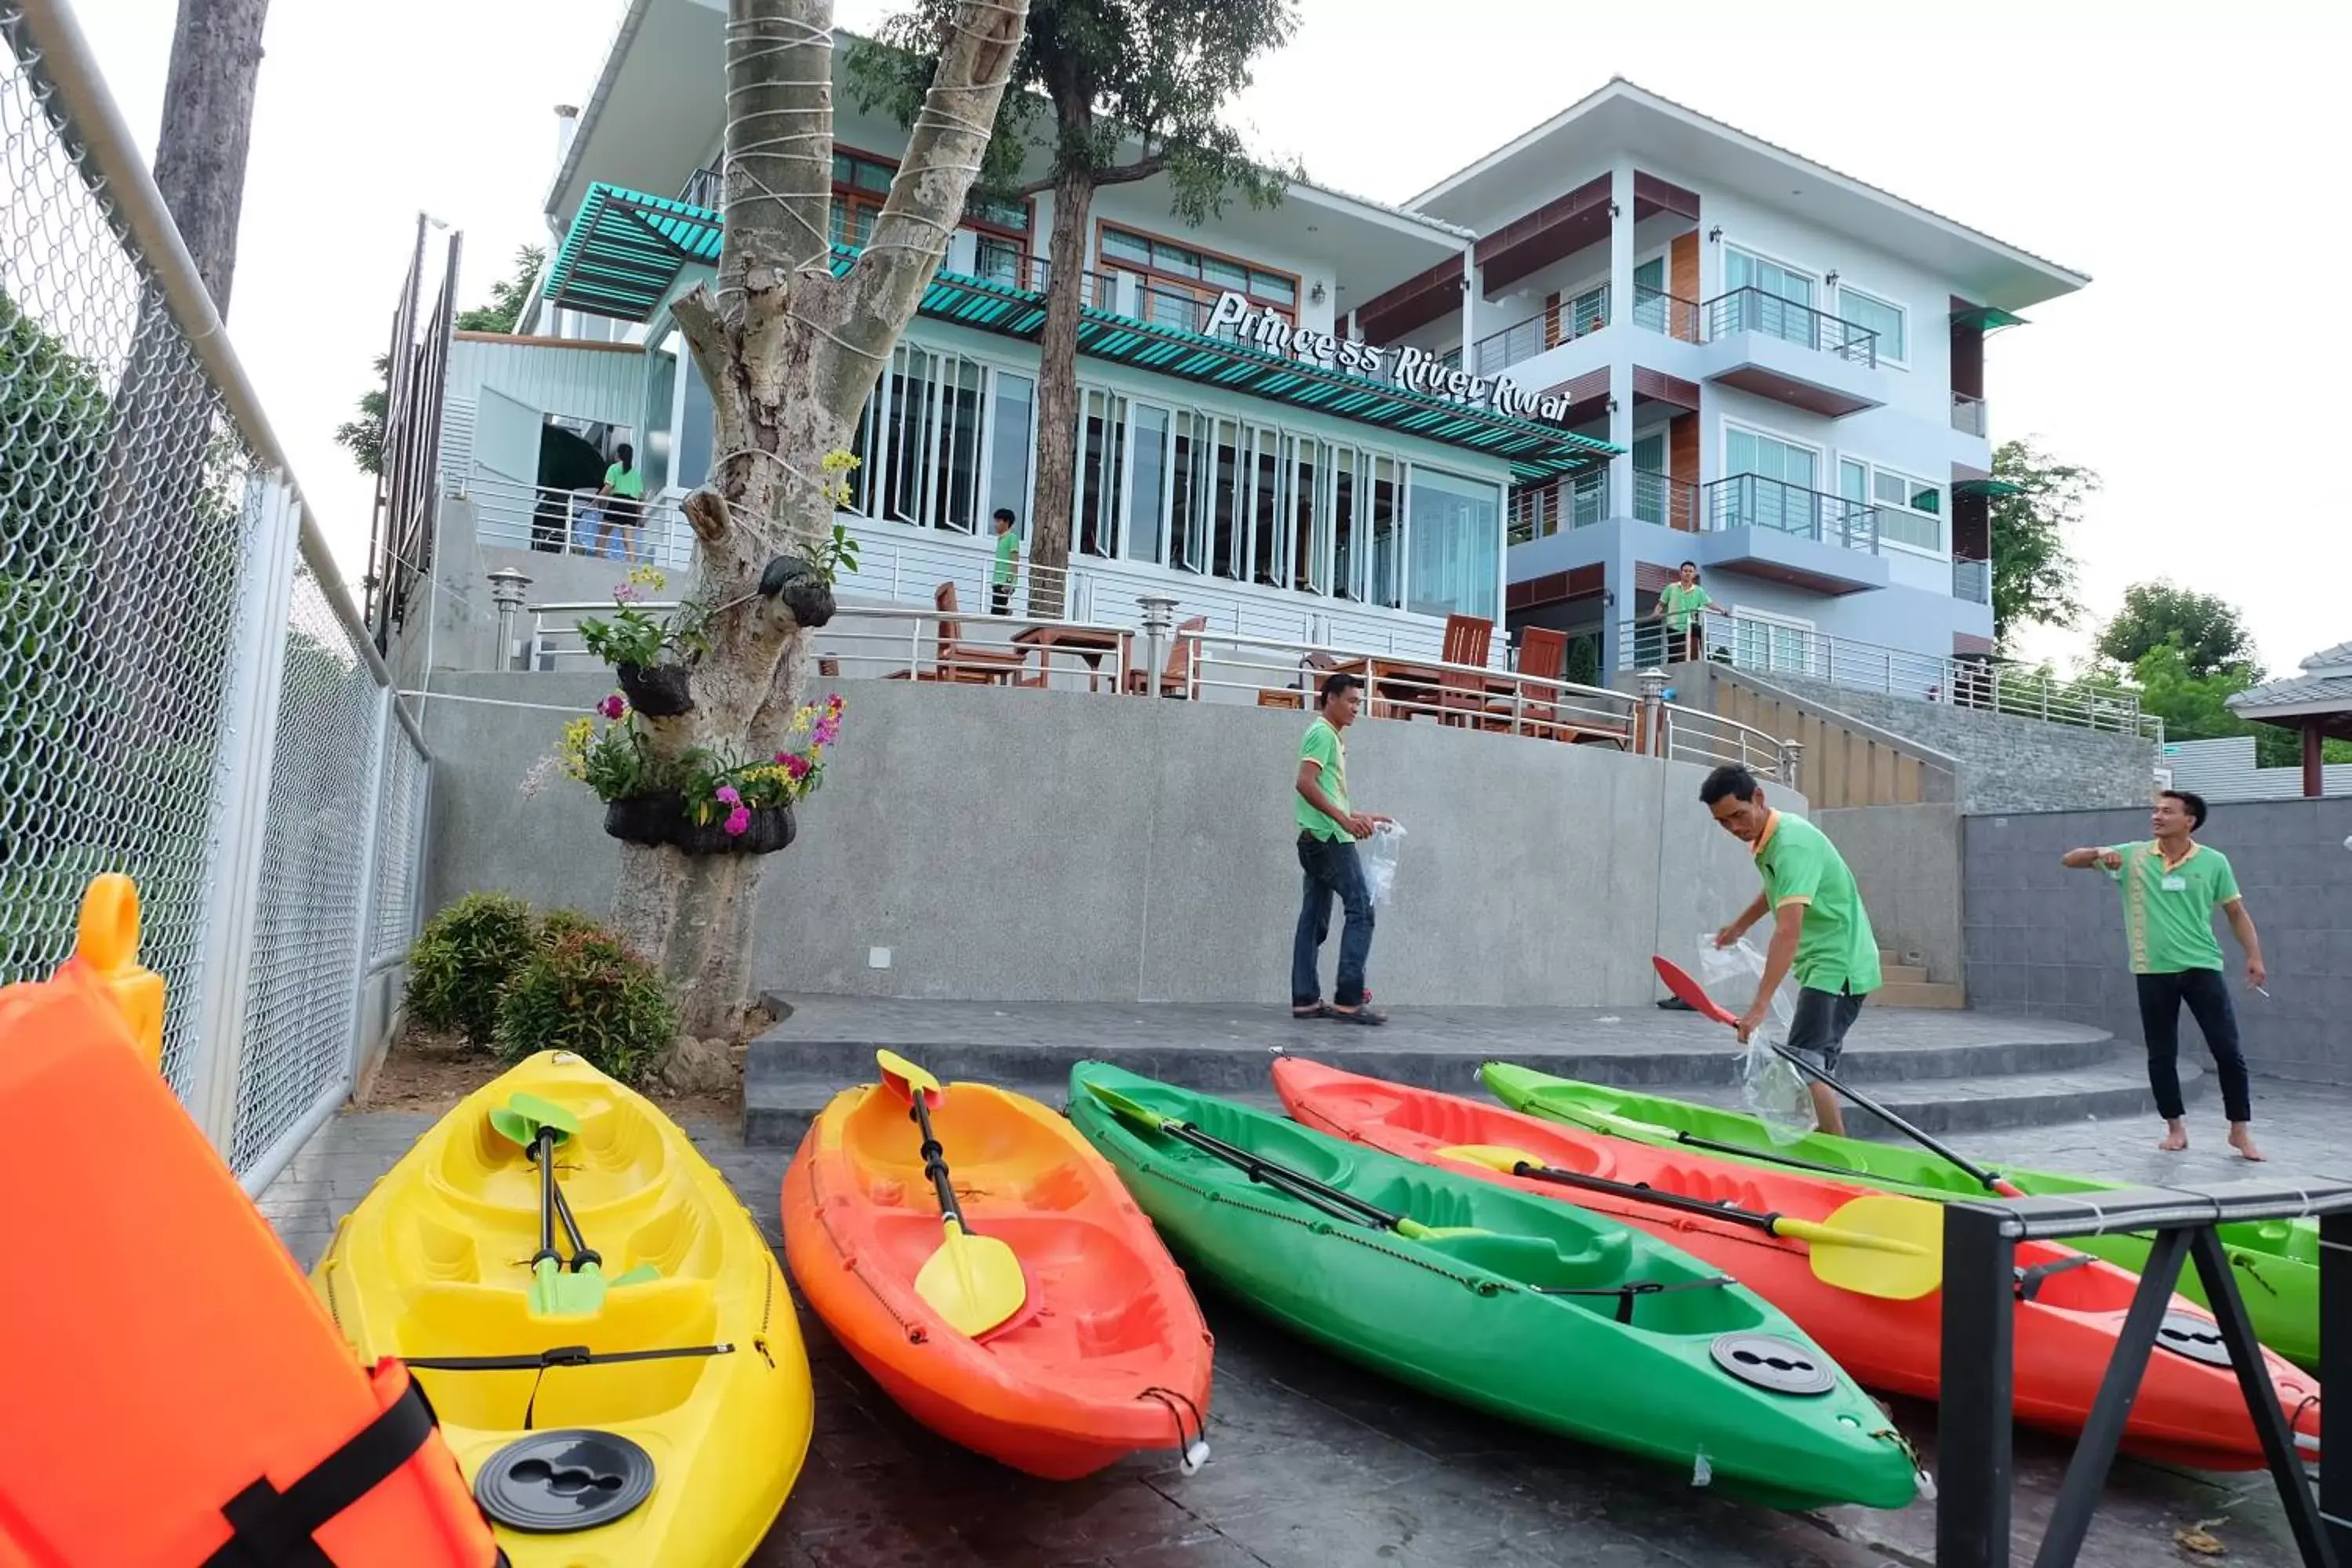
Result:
{"points": [[1317, 1465]]}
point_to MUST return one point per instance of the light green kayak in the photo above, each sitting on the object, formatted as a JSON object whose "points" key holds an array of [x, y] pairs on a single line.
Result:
{"points": [[2278, 1259], [1558, 1317]]}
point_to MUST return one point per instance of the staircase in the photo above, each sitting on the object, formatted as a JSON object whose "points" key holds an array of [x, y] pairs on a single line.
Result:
{"points": [[1905, 984]]}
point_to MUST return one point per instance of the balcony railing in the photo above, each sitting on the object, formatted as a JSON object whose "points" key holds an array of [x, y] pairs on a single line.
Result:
{"points": [[703, 188], [1968, 414], [1752, 310], [1547, 329], [1667, 501], [1660, 311], [1538, 511], [1972, 581], [1751, 501]]}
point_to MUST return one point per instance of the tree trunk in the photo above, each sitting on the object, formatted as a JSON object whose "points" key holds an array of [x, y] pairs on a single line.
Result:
{"points": [[791, 354], [208, 131], [1058, 396]]}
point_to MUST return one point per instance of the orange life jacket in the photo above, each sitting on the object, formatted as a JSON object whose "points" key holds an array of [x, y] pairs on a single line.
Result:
{"points": [[172, 1393]]}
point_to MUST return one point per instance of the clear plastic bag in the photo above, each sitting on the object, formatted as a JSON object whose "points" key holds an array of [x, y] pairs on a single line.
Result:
{"points": [[1773, 1090], [1380, 852]]}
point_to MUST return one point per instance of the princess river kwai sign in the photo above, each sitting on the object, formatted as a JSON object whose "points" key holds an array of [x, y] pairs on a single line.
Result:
{"points": [[1414, 369]]}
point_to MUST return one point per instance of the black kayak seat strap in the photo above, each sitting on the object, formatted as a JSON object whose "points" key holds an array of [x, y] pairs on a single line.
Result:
{"points": [[274, 1529], [1627, 1291], [562, 1355], [2029, 1280]]}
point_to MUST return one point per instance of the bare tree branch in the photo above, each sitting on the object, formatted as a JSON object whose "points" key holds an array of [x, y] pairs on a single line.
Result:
{"points": [[949, 140], [1125, 174]]}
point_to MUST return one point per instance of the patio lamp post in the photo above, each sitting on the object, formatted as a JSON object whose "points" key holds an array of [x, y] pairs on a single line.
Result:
{"points": [[1159, 617], [506, 593]]}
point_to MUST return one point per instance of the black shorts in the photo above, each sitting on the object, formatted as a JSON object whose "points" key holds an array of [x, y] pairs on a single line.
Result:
{"points": [[1817, 1031]]}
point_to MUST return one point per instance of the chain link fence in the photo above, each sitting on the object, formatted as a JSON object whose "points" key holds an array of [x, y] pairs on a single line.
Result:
{"points": [[186, 695]]}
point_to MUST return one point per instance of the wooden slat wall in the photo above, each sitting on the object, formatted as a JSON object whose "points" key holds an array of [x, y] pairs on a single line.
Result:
{"points": [[1840, 767]]}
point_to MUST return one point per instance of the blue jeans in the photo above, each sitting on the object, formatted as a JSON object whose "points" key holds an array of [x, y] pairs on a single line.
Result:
{"points": [[1331, 869]]}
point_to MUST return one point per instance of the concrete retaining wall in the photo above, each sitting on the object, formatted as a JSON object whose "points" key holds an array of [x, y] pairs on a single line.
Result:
{"points": [[2046, 941], [1907, 861], [1023, 845]]}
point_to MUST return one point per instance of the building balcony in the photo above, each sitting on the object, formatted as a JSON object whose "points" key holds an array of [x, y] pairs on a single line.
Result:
{"points": [[1564, 322], [1792, 353], [1968, 415], [1787, 533]]}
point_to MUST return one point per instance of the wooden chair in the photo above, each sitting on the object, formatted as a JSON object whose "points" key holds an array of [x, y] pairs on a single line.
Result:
{"points": [[1462, 696], [1177, 677], [959, 663], [1543, 656]]}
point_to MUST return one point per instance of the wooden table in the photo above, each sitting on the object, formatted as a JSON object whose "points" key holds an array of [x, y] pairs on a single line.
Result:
{"points": [[1087, 642]]}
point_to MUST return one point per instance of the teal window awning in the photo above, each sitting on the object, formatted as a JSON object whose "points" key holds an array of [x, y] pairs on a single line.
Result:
{"points": [[1988, 488], [1986, 318], [625, 250]]}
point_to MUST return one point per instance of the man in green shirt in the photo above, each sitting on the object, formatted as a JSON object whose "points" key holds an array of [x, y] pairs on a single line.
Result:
{"points": [[1008, 555], [1819, 928], [2171, 886], [1680, 604], [1328, 830]]}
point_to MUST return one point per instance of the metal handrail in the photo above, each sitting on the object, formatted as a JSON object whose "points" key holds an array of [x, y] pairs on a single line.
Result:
{"points": [[511, 514], [1751, 501], [1667, 313], [1752, 310], [1546, 329], [1614, 709], [1972, 581], [1968, 413]]}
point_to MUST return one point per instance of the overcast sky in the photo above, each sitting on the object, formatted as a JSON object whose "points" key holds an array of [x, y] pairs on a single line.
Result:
{"points": [[2150, 154]]}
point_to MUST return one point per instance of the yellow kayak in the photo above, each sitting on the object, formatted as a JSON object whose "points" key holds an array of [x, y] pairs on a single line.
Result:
{"points": [[635, 1394]]}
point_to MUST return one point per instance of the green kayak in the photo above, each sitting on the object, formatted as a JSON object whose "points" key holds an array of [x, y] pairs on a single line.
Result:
{"points": [[1549, 1315], [2279, 1258]]}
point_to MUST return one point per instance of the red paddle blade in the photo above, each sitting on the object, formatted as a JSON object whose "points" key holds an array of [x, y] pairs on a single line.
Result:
{"points": [[1691, 991]]}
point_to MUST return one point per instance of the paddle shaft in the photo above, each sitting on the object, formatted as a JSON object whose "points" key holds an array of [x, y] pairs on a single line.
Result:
{"points": [[935, 1166], [1766, 1223], [1976, 1172], [542, 1154], [1305, 1189]]}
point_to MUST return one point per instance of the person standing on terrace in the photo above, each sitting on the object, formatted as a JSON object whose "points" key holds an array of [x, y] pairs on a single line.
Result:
{"points": [[1328, 827], [2171, 886], [1008, 559], [1681, 603]]}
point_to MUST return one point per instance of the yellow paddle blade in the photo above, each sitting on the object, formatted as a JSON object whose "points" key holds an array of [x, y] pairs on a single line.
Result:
{"points": [[905, 1078], [972, 1281], [1877, 1246], [1493, 1156]]}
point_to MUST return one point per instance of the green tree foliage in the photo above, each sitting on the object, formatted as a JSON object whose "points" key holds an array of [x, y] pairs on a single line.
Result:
{"points": [[2194, 704], [2033, 573], [2206, 629], [1106, 92], [363, 437]]}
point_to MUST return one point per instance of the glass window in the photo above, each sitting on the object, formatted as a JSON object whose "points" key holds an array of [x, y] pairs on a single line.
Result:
{"points": [[661, 396], [1456, 529], [1008, 446], [1147, 532], [692, 457], [1779, 303], [1102, 467], [1910, 512], [1779, 491], [958, 503], [912, 396], [1119, 246], [1875, 315], [1191, 491], [999, 261], [1388, 536], [1276, 291]]}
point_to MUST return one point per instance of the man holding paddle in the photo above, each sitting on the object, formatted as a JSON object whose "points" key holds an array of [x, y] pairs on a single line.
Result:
{"points": [[1819, 928]]}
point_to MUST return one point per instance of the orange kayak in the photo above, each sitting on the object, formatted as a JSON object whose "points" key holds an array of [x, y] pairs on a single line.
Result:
{"points": [[1109, 1355], [2070, 1309]]}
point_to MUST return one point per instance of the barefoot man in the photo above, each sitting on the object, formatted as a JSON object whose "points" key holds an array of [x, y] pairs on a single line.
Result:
{"points": [[2170, 888], [1819, 928]]}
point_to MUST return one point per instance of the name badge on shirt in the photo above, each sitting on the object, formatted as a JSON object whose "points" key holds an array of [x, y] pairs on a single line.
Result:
{"points": [[2175, 884]]}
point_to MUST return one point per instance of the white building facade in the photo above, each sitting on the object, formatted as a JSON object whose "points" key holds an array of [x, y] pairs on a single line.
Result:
{"points": [[1607, 347]]}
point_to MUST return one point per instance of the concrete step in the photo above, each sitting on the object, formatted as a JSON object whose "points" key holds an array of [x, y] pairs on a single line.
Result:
{"points": [[1901, 973], [2000, 1102], [828, 1044], [1917, 994]]}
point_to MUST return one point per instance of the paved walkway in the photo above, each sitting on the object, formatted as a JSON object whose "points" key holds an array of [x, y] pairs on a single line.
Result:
{"points": [[1317, 1465]]}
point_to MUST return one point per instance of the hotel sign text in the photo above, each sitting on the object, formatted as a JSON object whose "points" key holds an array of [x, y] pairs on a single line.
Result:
{"points": [[1416, 370]]}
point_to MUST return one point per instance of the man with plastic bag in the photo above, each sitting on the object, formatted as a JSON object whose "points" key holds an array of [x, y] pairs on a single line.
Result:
{"points": [[1328, 828], [1820, 930]]}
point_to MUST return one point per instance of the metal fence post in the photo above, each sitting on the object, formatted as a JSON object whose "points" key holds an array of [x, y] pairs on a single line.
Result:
{"points": [[249, 720], [1973, 1439], [386, 734]]}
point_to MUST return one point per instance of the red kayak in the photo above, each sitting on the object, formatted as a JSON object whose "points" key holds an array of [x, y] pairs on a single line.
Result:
{"points": [[2070, 1306]]}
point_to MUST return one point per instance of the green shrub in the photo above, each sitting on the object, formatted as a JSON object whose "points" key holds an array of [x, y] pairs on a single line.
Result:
{"points": [[556, 924], [466, 957], [584, 992]]}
